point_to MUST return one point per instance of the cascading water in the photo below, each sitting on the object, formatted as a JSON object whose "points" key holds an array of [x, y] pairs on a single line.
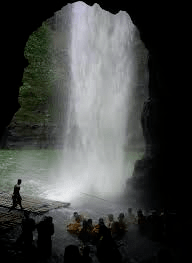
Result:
{"points": [[103, 71]]}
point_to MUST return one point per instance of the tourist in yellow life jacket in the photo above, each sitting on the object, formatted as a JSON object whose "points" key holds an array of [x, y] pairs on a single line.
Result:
{"points": [[97, 227], [16, 196], [75, 227], [77, 218]]}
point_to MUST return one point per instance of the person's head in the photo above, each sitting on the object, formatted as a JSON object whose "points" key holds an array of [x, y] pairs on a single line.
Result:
{"points": [[75, 214], [19, 181], [121, 216], [77, 217], [101, 222], [110, 217]]}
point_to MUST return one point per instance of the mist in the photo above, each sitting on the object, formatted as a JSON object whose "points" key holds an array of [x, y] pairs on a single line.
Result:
{"points": [[106, 88]]}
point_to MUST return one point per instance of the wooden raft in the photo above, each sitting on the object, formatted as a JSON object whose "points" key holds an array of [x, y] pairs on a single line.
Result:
{"points": [[8, 220], [31, 204]]}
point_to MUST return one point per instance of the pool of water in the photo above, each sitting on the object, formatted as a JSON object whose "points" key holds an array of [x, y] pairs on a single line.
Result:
{"points": [[42, 176]]}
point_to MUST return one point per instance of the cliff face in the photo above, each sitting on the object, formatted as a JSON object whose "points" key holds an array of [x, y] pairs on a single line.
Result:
{"points": [[21, 135], [42, 126], [154, 182]]}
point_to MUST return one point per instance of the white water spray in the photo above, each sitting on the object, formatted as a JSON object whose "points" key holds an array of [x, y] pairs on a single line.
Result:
{"points": [[103, 77]]}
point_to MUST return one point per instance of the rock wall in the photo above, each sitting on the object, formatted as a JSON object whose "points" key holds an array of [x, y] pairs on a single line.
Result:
{"points": [[153, 183], [48, 133]]}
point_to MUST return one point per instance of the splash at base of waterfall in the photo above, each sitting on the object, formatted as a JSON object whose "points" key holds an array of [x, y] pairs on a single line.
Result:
{"points": [[104, 72]]}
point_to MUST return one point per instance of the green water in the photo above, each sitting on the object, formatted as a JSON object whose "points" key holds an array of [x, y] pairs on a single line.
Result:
{"points": [[38, 170], [32, 167]]}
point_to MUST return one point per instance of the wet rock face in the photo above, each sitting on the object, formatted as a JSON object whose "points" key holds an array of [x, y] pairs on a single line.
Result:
{"points": [[153, 178], [3, 139], [32, 136], [153, 121], [149, 125], [153, 183]]}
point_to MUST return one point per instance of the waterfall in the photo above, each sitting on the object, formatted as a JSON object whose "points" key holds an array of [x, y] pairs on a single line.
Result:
{"points": [[104, 74]]}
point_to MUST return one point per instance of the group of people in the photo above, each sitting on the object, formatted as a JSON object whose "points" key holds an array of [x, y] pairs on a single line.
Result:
{"points": [[86, 231], [45, 229], [102, 235], [99, 235]]}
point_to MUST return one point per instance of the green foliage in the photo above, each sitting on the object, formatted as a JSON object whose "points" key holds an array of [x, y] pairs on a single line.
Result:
{"points": [[38, 76]]}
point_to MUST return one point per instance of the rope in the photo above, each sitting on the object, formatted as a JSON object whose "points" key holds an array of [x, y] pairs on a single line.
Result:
{"points": [[95, 197]]}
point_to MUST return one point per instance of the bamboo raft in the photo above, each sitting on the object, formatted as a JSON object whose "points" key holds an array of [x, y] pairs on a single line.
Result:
{"points": [[31, 204], [9, 220], [37, 206]]}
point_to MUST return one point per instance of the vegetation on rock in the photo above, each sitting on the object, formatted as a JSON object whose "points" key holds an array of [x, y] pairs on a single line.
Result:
{"points": [[37, 78]]}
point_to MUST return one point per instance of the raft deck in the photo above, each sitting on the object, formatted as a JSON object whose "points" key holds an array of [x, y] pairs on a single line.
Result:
{"points": [[31, 204], [37, 206]]}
